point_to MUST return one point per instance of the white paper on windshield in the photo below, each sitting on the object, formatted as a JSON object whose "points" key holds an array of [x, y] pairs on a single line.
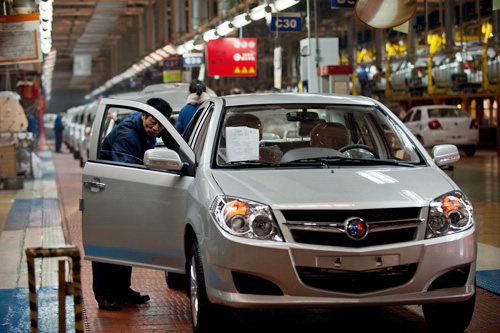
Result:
{"points": [[242, 143]]}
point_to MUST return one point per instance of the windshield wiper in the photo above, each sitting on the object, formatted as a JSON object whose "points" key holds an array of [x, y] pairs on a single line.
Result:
{"points": [[258, 163], [338, 160]]}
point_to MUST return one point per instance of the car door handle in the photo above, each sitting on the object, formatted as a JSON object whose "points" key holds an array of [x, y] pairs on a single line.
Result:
{"points": [[94, 186]]}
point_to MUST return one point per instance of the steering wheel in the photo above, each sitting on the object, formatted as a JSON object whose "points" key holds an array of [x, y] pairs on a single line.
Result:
{"points": [[358, 146]]}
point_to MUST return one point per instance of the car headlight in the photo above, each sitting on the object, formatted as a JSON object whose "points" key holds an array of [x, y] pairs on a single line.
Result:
{"points": [[245, 218], [448, 214]]}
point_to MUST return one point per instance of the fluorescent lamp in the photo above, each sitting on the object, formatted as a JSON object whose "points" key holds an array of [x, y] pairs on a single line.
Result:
{"points": [[209, 35], [156, 56], [189, 45], [170, 49], [284, 4], [260, 12], [150, 60], [242, 20], [162, 53], [225, 28], [181, 49]]}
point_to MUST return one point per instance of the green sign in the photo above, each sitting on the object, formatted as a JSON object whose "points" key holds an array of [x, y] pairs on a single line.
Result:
{"points": [[171, 76]]}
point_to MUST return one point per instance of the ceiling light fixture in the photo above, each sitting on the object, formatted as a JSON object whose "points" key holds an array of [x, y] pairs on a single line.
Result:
{"points": [[284, 4], [225, 28], [210, 34], [241, 20], [260, 12]]}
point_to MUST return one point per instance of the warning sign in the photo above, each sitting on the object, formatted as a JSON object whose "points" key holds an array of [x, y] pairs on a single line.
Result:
{"points": [[232, 57]]}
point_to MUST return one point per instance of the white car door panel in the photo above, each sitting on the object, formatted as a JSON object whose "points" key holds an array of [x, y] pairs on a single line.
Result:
{"points": [[133, 215]]}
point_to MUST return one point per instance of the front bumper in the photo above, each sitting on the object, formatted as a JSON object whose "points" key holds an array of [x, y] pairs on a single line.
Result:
{"points": [[278, 262]]}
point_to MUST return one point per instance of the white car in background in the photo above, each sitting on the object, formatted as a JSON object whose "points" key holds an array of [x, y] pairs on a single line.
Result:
{"points": [[443, 124]]}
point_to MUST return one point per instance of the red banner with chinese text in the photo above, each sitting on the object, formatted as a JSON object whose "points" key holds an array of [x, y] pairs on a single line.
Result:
{"points": [[232, 57]]}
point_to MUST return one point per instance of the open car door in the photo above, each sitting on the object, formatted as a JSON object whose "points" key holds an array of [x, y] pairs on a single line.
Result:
{"points": [[131, 214]]}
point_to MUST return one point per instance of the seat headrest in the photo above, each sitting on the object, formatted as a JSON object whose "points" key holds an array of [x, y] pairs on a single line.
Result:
{"points": [[329, 135]]}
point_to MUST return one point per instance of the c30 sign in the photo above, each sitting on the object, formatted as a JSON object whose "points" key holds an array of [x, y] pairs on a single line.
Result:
{"points": [[343, 3], [286, 22]]}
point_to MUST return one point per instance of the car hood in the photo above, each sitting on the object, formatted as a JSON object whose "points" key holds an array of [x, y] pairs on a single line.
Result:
{"points": [[339, 188]]}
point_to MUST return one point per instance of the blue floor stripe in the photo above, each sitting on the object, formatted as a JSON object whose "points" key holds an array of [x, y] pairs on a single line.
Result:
{"points": [[29, 212], [489, 280], [19, 213], [14, 311]]}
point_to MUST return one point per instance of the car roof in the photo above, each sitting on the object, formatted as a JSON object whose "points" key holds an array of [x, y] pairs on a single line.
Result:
{"points": [[295, 98], [436, 106]]}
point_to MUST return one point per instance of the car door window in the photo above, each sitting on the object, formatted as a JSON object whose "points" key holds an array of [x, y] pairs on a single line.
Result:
{"points": [[200, 139], [408, 117], [129, 151], [188, 134], [417, 116]]}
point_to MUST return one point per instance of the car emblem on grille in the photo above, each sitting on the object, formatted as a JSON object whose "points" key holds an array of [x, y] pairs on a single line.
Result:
{"points": [[356, 228]]}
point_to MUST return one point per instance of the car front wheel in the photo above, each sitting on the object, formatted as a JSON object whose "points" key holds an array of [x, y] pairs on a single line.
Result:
{"points": [[201, 309], [449, 317]]}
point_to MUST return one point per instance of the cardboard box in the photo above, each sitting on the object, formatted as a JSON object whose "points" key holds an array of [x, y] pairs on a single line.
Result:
{"points": [[8, 158]]}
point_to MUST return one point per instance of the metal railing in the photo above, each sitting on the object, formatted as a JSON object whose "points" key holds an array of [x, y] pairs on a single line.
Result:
{"points": [[65, 288]]}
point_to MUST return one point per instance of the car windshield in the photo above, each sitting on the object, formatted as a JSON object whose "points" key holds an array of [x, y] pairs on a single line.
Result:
{"points": [[447, 113], [314, 135]]}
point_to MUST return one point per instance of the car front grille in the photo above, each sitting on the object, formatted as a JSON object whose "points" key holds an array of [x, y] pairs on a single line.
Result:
{"points": [[356, 282], [340, 239], [328, 227]]}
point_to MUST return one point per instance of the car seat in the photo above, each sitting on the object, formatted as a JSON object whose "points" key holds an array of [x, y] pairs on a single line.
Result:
{"points": [[329, 135]]}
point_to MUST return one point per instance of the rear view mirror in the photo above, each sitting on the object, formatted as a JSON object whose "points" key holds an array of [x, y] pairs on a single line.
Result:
{"points": [[302, 116], [384, 14], [444, 155], [162, 159]]}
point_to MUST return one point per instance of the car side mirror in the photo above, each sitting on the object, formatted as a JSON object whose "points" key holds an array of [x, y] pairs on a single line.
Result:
{"points": [[444, 155], [163, 159]]}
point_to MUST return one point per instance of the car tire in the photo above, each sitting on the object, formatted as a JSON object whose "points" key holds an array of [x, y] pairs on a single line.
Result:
{"points": [[202, 311], [470, 150], [176, 281], [449, 317]]}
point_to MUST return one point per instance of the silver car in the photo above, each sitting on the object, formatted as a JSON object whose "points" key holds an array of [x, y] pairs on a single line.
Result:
{"points": [[349, 211]]}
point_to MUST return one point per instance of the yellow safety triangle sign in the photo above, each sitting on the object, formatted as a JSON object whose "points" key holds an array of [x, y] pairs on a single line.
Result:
{"points": [[237, 70], [252, 70], [244, 70]]}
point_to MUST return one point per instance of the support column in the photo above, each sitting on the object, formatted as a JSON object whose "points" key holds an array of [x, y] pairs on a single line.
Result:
{"points": [[200, 13], [412, 41], [150, 31], [495, 21], [379, 47], [449, 26], [179, 13], [140, 36], [352, 38]]}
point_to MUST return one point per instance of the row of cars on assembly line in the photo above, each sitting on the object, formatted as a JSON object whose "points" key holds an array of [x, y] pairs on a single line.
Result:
{"points": [[79, 119]]}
